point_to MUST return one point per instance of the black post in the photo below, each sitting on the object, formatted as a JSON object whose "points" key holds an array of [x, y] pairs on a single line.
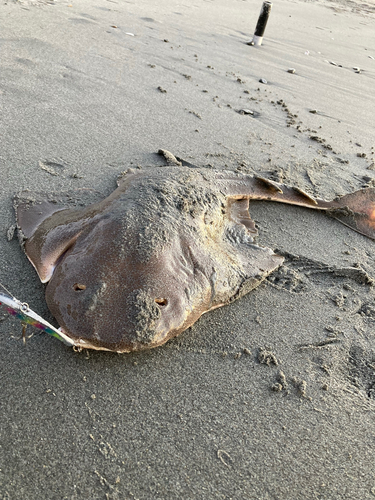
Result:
{"points": [[261, 24]]}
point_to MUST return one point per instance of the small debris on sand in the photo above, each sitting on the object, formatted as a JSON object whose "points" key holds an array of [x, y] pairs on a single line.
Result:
{"points": [[46, 166], [225, 458], [301, 387], [246, 112], [10, 232], [195, 113], [266, 357], [169, 157], [281, 383], [335, 64]]}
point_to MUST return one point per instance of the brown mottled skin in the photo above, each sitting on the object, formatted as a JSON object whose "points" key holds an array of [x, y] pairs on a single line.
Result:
{"points": [[169, 244]]}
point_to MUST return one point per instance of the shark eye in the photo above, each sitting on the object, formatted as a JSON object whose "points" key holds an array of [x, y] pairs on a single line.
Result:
{"points": [[161, 302], [78, 287]]}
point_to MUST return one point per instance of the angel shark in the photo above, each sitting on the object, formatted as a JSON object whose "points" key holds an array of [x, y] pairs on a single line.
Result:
{"points": [[168, 245]]}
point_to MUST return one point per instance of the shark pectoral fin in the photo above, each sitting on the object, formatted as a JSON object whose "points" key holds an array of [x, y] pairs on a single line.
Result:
{"points": [[31, 210], [257, 264], [356, 210], [47, 230]]}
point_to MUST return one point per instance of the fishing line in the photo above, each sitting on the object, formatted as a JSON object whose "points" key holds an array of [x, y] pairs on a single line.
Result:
{"points": [[27, 316]]}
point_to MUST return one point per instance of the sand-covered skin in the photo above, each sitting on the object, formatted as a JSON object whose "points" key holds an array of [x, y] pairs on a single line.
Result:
{"points": [[202, 416]]}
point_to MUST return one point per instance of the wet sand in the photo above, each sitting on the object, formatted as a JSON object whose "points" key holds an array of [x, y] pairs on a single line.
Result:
{"points": [[272, 397]]}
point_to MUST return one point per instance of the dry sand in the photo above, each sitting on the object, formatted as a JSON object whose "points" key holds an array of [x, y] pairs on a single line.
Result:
{"points": [[272, 397]]}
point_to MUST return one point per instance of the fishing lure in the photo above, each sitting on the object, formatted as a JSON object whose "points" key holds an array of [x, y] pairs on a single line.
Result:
{"points": [[22, 311]]}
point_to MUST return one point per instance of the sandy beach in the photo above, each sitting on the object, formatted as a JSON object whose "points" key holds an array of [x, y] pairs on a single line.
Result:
{"points": [[269, 398]]}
